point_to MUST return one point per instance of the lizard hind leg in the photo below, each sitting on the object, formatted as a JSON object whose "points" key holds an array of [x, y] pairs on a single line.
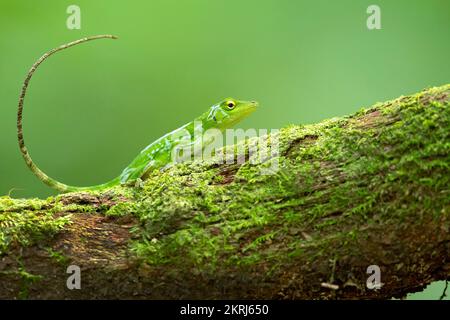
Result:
{"points": [[149, 168]]}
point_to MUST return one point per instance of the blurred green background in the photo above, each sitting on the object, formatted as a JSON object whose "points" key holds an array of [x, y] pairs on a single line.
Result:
{"points": [[92, 108]]}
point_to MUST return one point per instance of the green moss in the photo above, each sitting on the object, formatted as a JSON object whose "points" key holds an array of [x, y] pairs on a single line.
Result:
{"points": [[27, 279], [57, 256], [25, 222], [17, 205], [190, 216], [378, 164], [122, 209]]}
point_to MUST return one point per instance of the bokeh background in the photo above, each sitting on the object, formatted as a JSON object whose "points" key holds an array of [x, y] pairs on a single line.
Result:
{"points": [[92, 108]]}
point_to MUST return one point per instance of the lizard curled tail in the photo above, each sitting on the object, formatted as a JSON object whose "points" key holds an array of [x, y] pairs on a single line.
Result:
{"points": [[23, 149]]}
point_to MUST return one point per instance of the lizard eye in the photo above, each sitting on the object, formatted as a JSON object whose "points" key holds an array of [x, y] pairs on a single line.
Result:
{"points": [[231, 104]]}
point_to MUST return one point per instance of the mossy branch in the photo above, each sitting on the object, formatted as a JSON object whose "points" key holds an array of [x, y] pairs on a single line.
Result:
{"points": [[348, 193]]}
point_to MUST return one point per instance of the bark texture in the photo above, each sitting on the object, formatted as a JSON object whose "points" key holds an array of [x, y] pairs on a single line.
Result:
{"points": [[328, 201]]}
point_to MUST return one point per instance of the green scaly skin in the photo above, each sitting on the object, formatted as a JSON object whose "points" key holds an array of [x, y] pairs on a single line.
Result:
{"points": [[158, 154]]}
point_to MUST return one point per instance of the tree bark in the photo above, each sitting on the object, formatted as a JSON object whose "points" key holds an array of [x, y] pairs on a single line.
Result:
{"points": [[370, 189]]}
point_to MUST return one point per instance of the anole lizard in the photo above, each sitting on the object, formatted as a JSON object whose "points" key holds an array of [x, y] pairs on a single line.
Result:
{"points": [[158, 154]]}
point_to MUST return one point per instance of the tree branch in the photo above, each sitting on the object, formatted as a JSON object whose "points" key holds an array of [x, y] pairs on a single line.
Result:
{"points": [[348, 193]]}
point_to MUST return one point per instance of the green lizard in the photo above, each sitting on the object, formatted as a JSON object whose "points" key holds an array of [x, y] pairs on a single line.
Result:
{"points": [[158, 154]]}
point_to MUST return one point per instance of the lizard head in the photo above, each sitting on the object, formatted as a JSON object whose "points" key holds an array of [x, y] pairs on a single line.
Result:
{"points": [[230, 111]]}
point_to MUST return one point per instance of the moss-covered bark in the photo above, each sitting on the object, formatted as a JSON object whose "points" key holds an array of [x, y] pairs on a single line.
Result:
{"points": [[368, 189]]}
